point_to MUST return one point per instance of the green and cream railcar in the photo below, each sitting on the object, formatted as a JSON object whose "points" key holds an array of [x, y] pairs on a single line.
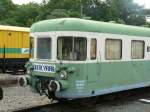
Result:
{"points": [[75, 58]]}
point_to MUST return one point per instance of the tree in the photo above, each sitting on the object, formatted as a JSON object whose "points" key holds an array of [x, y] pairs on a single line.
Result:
{"points": [[120, 11], [127, 11], [59, 8], [5, 7], [23, 15]]}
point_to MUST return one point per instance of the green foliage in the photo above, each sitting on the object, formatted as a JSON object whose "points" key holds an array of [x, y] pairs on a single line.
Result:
{"points": [[5, 7], [120, 11], [126, 10]]}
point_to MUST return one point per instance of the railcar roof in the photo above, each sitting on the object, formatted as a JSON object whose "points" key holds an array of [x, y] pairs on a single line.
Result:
{"points": [[76, 24], [14, 28]]}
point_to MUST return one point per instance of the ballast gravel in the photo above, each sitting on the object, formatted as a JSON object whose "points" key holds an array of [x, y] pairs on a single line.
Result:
{"points": [[16, 97], [19, 97]]}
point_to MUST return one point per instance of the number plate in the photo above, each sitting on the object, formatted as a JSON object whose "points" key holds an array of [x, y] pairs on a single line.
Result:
{"points": [[44, 68]]}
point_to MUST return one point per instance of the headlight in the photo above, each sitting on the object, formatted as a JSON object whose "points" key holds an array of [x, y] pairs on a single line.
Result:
{"points": [[63, 74]]}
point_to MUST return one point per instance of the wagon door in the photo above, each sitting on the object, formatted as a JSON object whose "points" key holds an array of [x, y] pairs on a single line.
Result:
{"points": [[93, 67]]}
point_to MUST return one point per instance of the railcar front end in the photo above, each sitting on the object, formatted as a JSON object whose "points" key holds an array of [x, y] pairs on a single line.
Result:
{"points": [[59, 67]]}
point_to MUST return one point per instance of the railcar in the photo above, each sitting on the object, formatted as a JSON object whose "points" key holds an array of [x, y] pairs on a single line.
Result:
{"points": [[14, 48], [75, 58]]}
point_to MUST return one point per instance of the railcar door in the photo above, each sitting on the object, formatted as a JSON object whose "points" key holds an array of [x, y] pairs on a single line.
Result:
{"points": [[93, 67]]}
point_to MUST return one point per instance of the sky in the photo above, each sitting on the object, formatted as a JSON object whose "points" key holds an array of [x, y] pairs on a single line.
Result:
{"points": [[146, 3]]}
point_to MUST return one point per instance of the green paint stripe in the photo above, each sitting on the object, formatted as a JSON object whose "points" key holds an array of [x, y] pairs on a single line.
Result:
{"points": [[11, 50]]}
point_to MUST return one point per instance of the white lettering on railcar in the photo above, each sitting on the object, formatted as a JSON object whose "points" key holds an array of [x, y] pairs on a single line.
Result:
{"points": [[80, 85], [44, 68]]}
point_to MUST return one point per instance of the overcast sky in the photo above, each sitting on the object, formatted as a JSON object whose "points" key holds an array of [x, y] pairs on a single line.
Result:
{"points": [[146, 3]]}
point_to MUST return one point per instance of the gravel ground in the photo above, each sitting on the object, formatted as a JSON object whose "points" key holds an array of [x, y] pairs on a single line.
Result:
{"points": [[18, 97], [124, 106], [106, 106], [110, 106]]}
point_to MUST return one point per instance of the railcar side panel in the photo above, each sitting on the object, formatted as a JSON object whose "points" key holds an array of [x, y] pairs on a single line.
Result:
{"points": [[116, 76]]}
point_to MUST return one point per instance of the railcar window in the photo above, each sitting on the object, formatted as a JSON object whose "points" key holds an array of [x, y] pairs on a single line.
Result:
{"points": [[72, 48], [93, 50], [43, 48], [137, 49], [113, 49]]}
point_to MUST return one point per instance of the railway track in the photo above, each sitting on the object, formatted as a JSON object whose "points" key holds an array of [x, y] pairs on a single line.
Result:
{"points": [[127, 97], [34, 108]]}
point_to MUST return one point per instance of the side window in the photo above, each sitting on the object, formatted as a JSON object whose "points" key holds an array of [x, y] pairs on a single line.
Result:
{"points": [[137, 49], [93, 49], [113, 49], [72, 48], [44, 48]]}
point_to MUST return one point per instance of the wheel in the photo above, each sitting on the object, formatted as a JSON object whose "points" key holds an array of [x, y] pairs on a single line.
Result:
{"points": [[1, 93]]}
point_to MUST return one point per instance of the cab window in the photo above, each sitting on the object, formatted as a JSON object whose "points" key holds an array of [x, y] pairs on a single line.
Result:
{"points": [[43, 48], [72, 48]]}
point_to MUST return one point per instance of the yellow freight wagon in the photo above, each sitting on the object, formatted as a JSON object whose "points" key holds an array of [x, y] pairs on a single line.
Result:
{"points": [[14, 48]]}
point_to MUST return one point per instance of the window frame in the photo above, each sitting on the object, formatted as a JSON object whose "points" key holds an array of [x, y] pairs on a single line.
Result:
{"points": [[143, 49], [121, 55], [73, 47]]}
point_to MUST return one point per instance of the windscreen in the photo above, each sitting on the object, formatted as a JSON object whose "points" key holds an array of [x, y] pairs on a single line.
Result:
{"points": [[43, 48]]}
